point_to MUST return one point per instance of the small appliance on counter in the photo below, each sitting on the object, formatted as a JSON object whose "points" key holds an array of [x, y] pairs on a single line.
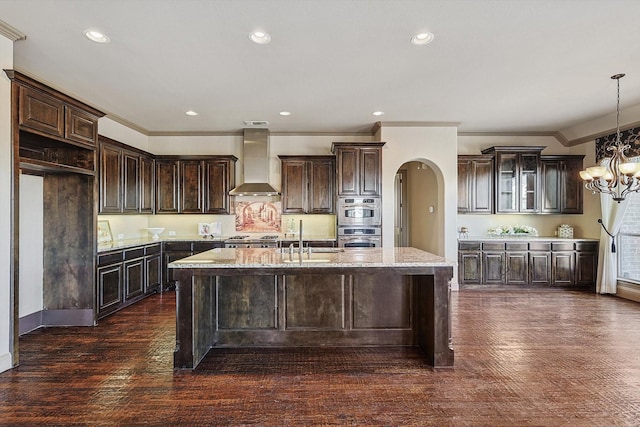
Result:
{"points": [[565, 231], [210, 229]]}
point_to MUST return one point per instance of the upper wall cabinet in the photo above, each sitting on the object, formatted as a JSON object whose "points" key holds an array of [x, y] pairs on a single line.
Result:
{"points": [[54, 132], [359, 168], [126, 179], [198, 184], [475, 184], [517, 178], [308, 184], [562, 188]]}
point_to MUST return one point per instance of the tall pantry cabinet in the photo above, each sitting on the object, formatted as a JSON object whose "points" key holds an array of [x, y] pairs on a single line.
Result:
{"points": [[54, 136]]}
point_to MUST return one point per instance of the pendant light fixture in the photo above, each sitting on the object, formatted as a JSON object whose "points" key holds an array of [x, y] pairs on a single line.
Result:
{"points": [[620, 176]]}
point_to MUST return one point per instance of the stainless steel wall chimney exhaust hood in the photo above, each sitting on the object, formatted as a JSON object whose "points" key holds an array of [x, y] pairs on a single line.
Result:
{"points": [[256, 160]]}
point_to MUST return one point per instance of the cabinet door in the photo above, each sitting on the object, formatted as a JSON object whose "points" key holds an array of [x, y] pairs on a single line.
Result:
{"points": [[294, 186], [369, 171], [110, 179], [131, 182], [109, 288], [321, 183], [551, 186], [146, 184], [507, 165], [470, 268], [152, 273], [562, 268], [540, 268], [528, 186], [191, 182], [464, 185], [166, 186], [517, 271], [493, 265], [573, 189], [41, 112], [217, 176], [80, 126], [586, 268], [482, 186], [134, 278], [348, 171]]}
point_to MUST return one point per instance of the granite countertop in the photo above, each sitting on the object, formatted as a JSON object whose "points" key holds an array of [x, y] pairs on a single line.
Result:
{"points": [[525, 239], [261, 258]]}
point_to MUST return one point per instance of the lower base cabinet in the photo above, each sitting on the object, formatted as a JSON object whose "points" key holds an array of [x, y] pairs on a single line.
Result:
{"points": [[544, 263], [125, 276], [176, 250]]}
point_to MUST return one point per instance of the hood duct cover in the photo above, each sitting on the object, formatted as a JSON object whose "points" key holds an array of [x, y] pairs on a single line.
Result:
{"points": [[255, 156]]}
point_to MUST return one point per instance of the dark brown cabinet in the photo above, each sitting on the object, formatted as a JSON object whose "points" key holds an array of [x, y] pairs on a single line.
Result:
{"points": [[358, 168], [308, 184], [176, 250], [125, 276], [147, 178], [219, 179], [167, 182], [191, 186], [475, 184], [562, 188], [125, 178], [545, 263], [517, 178], [51, 116], [194, 185]]}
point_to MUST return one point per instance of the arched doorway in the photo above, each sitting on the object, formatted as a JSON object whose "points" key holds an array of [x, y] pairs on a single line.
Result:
{"points": [[418, 218]]}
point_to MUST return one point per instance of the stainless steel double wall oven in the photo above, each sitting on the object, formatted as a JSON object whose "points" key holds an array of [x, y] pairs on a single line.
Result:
{"points": [[359, 221]]}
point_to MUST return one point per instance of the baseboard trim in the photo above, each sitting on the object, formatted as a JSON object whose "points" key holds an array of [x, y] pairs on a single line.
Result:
{"points": [[46, 318], [628, 291], [5, 362]]}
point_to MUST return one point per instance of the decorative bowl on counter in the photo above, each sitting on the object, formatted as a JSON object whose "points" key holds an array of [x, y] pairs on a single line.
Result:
{"points": [[155, 232]]}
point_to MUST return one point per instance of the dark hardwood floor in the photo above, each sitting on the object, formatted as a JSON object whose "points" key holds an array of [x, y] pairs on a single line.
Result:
{"points": [[531, 357]]}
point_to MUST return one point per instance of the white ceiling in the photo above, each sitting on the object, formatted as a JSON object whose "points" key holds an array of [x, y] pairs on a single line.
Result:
{"points": [[494, 66]]}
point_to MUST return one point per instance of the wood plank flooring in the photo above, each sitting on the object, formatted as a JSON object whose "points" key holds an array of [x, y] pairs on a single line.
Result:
{"points": [[523, 358]]}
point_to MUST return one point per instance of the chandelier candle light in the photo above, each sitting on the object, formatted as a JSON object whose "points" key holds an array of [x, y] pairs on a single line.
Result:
{"points": [[620, 177]]}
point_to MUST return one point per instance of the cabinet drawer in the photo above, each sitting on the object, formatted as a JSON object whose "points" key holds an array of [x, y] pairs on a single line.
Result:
{"points": [[204, 246], [177, 246], [540, 246], [493, 246], [587, 246], [516, 246], [154, 249], [562, 246], [469, 246], [110, 258], [134, 253]]}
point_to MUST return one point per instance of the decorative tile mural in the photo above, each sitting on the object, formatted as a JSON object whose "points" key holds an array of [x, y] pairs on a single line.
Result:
{"points": [[258, 217], [629, 136]]}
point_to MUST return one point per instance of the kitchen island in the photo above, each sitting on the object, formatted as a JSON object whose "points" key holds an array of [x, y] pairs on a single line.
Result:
{"points": [[332, 297]]}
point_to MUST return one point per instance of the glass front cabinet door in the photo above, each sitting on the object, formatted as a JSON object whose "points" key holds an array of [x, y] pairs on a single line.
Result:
{"points": [[517, 178]]}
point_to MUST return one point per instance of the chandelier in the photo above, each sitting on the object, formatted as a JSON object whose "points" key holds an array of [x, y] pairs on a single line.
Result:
{"points": [[620, 176]]}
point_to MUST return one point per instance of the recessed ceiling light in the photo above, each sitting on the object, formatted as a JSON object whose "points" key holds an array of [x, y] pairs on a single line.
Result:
{"points": [[260, 37], [96, 36], [377, 113], [191, 113], [285, 113], [422, 39]]}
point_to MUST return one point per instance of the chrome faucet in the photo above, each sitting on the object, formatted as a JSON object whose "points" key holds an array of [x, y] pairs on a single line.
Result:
{"points": [[300, 240]]}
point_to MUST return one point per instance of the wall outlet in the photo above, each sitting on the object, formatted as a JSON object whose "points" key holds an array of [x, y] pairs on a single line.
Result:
{"points": [[120, 236], [172, 233]]}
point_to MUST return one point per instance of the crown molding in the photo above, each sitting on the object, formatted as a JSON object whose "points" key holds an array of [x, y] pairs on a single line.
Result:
{"points": [[11, 33], [595, 136], [417, 124], [557, 135]]}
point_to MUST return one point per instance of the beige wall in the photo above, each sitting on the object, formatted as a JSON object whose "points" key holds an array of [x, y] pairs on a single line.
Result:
{"points": [[422, 194]]}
